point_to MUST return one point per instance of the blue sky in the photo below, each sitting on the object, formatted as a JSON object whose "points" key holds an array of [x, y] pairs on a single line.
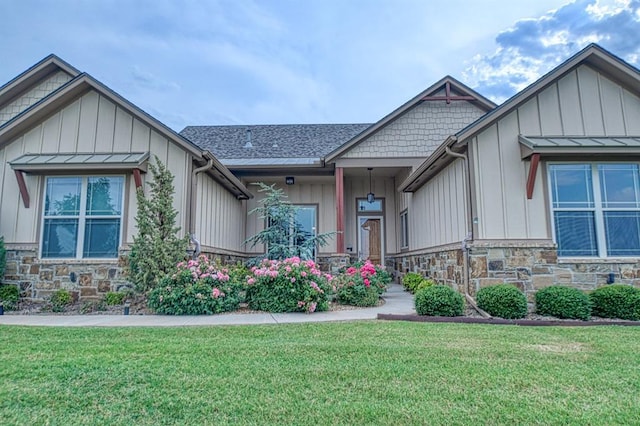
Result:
{"points": [[306, 61]]}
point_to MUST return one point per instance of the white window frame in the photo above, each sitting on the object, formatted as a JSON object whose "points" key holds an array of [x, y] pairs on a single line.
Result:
{"points": [[82, 216], [404, 229], [598, 209]]}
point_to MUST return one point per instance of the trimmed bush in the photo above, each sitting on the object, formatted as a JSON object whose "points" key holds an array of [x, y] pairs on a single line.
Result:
{"points": [[563, 302], [425, 283], [616, 301], [197, 288], [439, 300], [349, 293], [9, 295], [60, 299], [411, 280], [503, 301], [113, 298], [291, 285]]}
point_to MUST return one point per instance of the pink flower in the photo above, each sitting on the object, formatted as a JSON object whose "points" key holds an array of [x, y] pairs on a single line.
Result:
{"points": [[367, 283], [301, 304], [303, 273], [293, 280], [215, 293], [251, 281], [312, 307], [351, 270]]}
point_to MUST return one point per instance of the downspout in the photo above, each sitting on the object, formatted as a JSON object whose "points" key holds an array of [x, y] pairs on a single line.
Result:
{"points": [[469, 237], [193, 205]]}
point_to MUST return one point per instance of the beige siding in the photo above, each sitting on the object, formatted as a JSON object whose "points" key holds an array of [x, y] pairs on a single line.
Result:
{"points": [[437, 210], [581, 103], [220, 217], [318, 191], [418, 132], [33, 95], [89, 124]]}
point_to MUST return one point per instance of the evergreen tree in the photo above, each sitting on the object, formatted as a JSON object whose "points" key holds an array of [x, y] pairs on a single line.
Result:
{"points": [[156, 248], [283, 235]]}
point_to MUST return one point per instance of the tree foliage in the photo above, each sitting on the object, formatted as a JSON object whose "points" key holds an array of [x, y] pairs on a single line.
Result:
{"points": [[3, 258], [283, 235], [156, 248]]}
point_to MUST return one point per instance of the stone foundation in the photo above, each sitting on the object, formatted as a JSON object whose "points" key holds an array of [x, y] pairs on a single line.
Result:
{"points": [[529, 265], [332, 263], [445, 266], [37, 279]]}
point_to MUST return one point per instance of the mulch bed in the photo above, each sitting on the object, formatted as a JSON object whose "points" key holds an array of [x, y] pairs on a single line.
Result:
{"points": [[500, 321]]}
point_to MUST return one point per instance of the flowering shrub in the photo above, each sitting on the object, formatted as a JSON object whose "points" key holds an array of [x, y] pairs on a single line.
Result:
{"points": [[197, 287], [361, 285], [291, 285]]}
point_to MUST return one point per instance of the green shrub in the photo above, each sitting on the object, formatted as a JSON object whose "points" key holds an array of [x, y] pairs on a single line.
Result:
{"points": [[93, 306], [60, 299], [563, 302], [439, 300], [291, 285], [411, 280], [197, 288], [350, 290], [616, 301], [115, 298], [425, 283], [503, 300], [9, 295]]}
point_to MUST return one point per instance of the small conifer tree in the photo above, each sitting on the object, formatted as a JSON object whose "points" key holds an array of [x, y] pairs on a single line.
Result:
{"points": [[283, 236], [156, 248]]}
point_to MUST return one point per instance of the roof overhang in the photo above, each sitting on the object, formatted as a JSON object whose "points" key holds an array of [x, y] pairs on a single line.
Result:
{"points": [[22, 82], [563, 146], [221, 174], [437, 161], [46, 163]]}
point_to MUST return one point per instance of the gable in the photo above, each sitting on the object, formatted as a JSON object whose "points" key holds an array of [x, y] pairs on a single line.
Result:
{"points": [[418, 132], [33, 95], [415, 128]]}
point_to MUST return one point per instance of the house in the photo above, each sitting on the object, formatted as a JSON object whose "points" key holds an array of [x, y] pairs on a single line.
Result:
{"points": [[72, 153], [540, 190]]}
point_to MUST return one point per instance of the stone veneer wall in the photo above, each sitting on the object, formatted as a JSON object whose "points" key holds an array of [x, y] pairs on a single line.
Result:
{"points": [[529, 265], [445, 266], [37, 279]]}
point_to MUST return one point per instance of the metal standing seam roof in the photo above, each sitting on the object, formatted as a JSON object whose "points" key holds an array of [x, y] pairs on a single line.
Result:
{"points": [[259, 142], [126, 160], [563, 144]]}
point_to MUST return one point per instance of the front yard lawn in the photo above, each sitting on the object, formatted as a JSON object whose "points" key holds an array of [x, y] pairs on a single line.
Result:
{"points": [[332, 373]]}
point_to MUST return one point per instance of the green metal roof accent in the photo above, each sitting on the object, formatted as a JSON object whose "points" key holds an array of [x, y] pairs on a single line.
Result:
{"points": [[578, 145], [83, 161]]}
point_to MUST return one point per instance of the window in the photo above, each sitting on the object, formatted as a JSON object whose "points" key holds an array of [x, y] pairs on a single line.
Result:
{"points": [[404, 229], [366, 206], [596, 209], [82, 217], [295, 231]]}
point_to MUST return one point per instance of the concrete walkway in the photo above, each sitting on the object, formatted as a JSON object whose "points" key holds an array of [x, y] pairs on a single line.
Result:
{"points": [[397, 301]]}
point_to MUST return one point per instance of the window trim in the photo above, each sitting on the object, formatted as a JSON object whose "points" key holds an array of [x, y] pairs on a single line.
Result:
{"points": [[404, 226], [82, 217], [598, 209]]}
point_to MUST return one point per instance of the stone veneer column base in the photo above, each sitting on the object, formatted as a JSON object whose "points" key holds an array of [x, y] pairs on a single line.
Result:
{"points": [[445, 266]]}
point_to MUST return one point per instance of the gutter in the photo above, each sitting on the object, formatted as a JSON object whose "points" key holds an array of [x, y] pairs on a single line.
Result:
{"points": [[469, 237], [193, 205]]}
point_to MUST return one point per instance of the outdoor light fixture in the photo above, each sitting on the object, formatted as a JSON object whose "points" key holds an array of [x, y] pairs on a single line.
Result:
{"points": [[370, 196], [289, 180]]}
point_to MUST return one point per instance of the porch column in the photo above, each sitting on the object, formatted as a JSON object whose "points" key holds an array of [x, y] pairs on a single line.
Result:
{"points": [[340, 209]]}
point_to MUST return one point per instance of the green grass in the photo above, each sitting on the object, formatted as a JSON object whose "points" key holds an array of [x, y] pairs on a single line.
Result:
{"points": [[332, 373]]}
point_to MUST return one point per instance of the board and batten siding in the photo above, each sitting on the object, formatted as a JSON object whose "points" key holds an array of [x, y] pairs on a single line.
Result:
{"points": [[90, 124], [220, 216], [437, 210], [583, 102], [316, 191]]}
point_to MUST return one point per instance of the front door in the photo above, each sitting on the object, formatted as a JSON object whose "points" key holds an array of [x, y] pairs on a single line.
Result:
{"points": [[370, 232]]}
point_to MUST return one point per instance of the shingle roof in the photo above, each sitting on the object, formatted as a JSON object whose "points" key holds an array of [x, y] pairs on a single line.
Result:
{"points": [[272, 141]]}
